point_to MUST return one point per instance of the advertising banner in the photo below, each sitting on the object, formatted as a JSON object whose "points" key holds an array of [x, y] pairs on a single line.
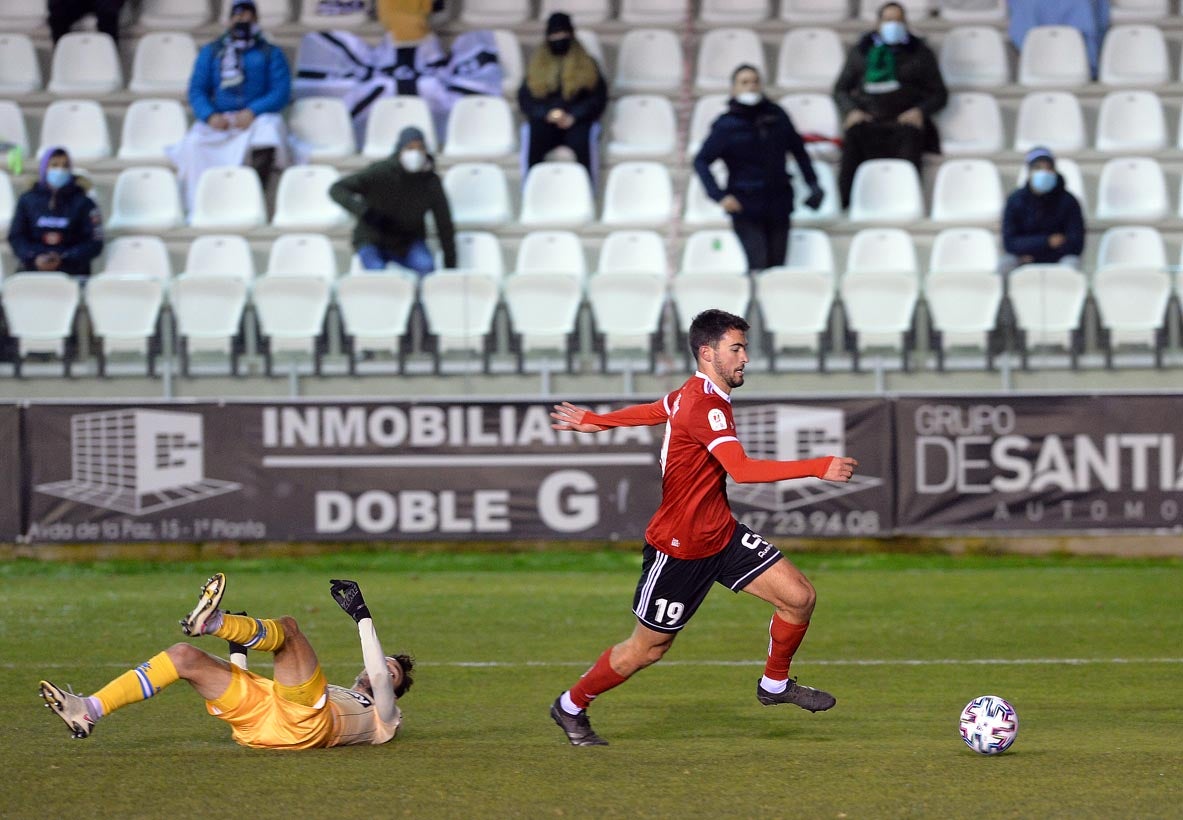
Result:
{"points": [[10, 475], [1040, 463], [416, 471]]}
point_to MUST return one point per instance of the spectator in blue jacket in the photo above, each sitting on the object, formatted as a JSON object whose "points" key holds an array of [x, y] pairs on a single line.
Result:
{"points": [[240, 85], [752, 138], [1042, 221], [56, 225]]}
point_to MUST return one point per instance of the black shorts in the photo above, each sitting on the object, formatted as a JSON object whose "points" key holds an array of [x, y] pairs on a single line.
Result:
{"points": [[671, 589]]}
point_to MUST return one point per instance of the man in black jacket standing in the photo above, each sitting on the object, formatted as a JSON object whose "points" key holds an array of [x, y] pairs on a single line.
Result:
{"points": [[752, 138], [887, 93]]}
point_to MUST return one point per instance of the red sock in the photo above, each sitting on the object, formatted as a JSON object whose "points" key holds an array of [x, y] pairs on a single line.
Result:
{"points": [[595, 681], [785, 638]]}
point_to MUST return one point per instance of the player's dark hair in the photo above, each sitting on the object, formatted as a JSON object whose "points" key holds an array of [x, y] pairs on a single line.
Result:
{"points": [[710, 326], [406, 663]]}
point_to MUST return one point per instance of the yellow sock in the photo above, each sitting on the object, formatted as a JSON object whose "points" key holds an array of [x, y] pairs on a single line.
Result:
{"points": [[138, 684], [259, 634]]}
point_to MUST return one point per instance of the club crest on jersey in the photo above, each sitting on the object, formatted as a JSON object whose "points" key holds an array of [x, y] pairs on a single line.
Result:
{"points": [[359, 697], [717, 419]]}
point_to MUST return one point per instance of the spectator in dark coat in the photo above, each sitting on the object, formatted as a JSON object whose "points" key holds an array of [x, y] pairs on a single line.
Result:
{"points": [[56, 225], [1042, 221], [390, 199], [562, 97], [887, 94], [753, 138]]}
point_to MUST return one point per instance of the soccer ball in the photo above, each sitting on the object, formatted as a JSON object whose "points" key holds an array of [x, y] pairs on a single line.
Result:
{"points": [[989, 725]]}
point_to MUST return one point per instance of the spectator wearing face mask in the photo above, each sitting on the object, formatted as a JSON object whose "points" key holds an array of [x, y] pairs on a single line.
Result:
{"points": [[887, 93], [753, 138], [390, 200], [56, 225], [1042, 222], [240, 84], [562, 97]]}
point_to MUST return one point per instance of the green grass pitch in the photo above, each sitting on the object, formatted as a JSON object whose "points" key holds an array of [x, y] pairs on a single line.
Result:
{"points": [[1087, 649]]}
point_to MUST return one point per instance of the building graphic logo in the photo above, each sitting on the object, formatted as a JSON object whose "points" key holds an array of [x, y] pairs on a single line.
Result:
{"points": [[137, 462], [788, 432]]}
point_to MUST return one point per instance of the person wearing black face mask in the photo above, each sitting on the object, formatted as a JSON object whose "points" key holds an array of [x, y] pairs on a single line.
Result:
{"points": [[562, 97], [240, 84], [752, 139]]}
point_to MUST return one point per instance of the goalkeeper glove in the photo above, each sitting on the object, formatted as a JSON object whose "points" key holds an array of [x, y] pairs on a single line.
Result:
{"points": [[347, 594]]}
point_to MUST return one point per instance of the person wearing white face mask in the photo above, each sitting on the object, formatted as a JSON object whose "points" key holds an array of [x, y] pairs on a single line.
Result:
{"points": [[391, 199], [752, 138], [1042, 221], [56, 225], [887, 93]]}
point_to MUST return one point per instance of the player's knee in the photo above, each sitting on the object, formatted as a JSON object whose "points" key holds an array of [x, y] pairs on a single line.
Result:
{"points": [[185, 657], [290, 628]]}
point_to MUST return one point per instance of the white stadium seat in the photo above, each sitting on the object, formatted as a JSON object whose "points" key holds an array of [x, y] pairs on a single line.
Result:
{"points": [[149, 127], [1150, 10], [1134, 55], [1132, 306], [626, 310], [323, 127], [1127, 245], [882, 250], [638, 194], [551, 252], [146, 199], [1132, 189], [509, 56], [707, 109], [493, 13], [964, 249], [80, 126], [967, 191], [302, 254], [1131, 121], [641, 126], [971, 124], [583, 12], [12, 125], [1053, 119], [302, 200], [228, 197], [85, 63], [831, 208], [814, 11], [142, 254], [459, 307], [810, 250], [557, 194], [7, 202], [173, 15], [720, 50], [648, 60], [162, 63], [993, 11], [795, 306], [879, 308], [653, 12], [479, 252], [223, 255], [22, 15], [916, 10], [633, 252], [20, 70], [1053, 57], [124, 311], [809, 59], [963, 309], [815, 115], [543, 314], [40, 309], [691, 295], [1047, 300], [713, 252], [480, 127], [375, 314], [478, 194], [291, 313], [974, 56], [700, 210], [207, 315], [733, 12], [886, 190]]}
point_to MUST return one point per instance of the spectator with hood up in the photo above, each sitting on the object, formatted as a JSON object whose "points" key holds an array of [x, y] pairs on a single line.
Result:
{"points": [[391, 199], [562, 97], [56, 225]]}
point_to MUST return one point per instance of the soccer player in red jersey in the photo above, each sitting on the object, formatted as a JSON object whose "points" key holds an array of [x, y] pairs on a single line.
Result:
{"points": [[693, 540]]}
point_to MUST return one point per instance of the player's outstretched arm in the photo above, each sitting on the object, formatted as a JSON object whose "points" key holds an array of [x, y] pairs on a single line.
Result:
{"points": [[745, 470], [348, 596], [568, 416]]}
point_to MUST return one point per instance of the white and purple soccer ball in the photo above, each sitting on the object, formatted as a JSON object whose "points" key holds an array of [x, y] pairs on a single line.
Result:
{"points": [[989, 725]]}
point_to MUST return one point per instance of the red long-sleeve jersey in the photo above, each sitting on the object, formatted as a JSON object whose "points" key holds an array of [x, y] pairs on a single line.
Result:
{"points": [[699, 451]]}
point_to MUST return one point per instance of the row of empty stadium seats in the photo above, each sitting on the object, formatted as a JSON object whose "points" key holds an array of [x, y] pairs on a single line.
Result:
{"points": [[651, 59], [543, 310], [712, 251]]}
